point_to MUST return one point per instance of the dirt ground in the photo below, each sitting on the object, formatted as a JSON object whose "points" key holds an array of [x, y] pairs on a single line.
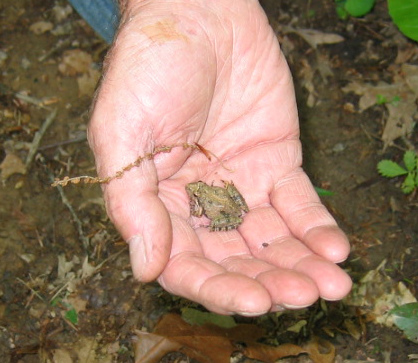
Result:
{"points": [[67, 293]]}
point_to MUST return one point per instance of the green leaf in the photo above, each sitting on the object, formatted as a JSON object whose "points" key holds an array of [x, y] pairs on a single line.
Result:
{"points": [[408, 184], [341, 12], [197, 317], [380, 99], [405, 318], [311, 13], [72, 316], [359, 8], [395, 100], [404, 14], [409, 158], [323, 192], [390, 169], [56, 301]]}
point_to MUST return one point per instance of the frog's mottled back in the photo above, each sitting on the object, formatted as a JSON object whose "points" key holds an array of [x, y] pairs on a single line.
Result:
{"points": [[224, 206]]}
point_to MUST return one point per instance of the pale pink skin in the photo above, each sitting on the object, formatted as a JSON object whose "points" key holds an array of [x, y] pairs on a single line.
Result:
{"points": [[212, 72]]}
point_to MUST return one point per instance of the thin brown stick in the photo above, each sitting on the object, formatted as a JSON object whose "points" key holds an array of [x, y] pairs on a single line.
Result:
{"points": [[86, 179], [119, 174], [38, 137]]}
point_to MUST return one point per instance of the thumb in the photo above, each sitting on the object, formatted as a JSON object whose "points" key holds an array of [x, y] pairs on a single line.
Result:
{"points": [[143, 221], [117, 137]]}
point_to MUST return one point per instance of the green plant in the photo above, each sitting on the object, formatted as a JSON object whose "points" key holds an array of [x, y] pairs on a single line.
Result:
{"points": [[404, 13], [405, 318], [323, 192], [381, 100], [70, 313], [356, 8], [197, 317], [391, 169]]}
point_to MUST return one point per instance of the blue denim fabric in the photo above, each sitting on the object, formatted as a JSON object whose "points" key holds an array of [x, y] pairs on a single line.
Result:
{"points": [[102, 15]]}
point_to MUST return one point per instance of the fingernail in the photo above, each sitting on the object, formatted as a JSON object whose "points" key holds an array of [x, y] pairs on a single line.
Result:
{"points": [[139, 255], [277, 308], [295, 307], [248, 314]]}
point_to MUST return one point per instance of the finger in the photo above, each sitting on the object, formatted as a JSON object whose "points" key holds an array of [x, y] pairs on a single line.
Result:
{"points": [[204, 281], [329, 279], [140, 216], [288, 289], [218, 246], [270, 240], [333, 283], [191, 275], [300, 207], [118, 139]]}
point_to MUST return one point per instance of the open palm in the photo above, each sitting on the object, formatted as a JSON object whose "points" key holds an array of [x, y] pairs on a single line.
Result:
{"points": [[212, 73]]}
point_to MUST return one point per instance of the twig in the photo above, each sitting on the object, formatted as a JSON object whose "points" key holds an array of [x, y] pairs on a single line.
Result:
{"points": [[111, 257], [86, 179], [39, 102], [77, 221], [70, 324], [31, 289], [61, 44], [38, 137], [59, 290], [64, 142], [119, 174]]}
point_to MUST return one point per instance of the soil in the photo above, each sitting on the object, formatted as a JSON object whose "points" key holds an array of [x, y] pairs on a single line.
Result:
{"points": [[60, 254]]}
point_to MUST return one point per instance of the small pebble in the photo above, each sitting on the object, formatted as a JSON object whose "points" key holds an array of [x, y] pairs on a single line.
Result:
{"points": [[338, 147]]}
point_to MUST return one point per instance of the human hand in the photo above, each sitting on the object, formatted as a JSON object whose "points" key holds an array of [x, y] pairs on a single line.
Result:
{"points": [[212, 73]]}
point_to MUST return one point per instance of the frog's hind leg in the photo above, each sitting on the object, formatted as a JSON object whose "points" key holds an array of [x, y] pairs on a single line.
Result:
{"points": [[236, 195], [225, 223]]}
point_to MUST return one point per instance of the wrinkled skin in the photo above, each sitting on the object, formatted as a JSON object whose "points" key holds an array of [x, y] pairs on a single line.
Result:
{"points": [[212, 73]]}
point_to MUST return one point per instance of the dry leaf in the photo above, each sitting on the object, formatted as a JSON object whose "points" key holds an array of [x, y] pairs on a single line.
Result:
{"points": [[208, 344], [315, 37], [172, 325], [150, 348], [269, 354], [64, 268], [411, 76], [41, 27], [87, 270], [12, 164], [75, 61], [61, 356], [400, 121], [87, 82], [377, 293], [306, 74], [353, 329], [320, 351], [86, 350], [369, 93], [212, 344], [61, 12], [405, 53], [77, 303]]}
